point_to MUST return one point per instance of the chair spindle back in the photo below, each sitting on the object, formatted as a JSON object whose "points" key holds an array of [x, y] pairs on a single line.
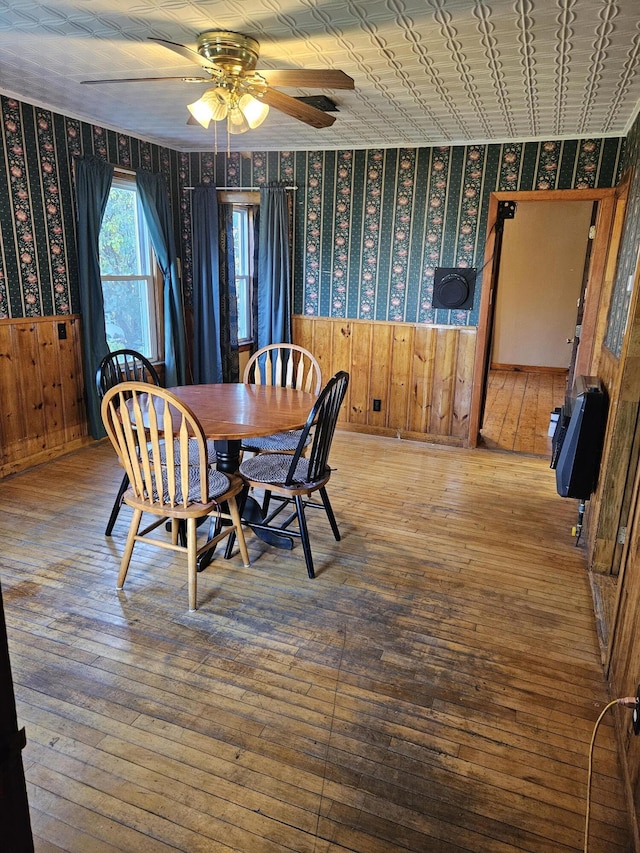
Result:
{"points": [[323, 418], [138, 418], [124, 365], [286, 365]]}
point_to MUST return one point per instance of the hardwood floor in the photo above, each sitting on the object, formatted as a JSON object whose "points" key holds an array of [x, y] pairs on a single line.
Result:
{"points": [[433, 689], [518, 409]]}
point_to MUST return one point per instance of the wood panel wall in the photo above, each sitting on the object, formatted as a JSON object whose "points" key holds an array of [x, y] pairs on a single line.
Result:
{"points": [[623, 671], [42, 412], [604, 510], [422, 374], [611, 503]]}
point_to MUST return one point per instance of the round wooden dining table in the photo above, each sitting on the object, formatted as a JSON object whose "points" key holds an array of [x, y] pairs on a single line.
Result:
{"points": [[232, 412]]}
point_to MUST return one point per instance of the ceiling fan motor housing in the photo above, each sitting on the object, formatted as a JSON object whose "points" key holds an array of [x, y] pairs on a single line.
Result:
{"points": [[234, 53]]}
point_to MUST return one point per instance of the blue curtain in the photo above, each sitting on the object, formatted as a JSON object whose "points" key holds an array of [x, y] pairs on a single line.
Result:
{"points": [[215, 313], [254, 277], [93, 182], [154, 198], [274, 267], [228, 296]]}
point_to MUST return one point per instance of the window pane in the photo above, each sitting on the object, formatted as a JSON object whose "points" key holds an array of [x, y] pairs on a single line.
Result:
{"points": [[126, 312], [240, 240], [243, 265], [126, 264], [122, 249], [244, 308]]}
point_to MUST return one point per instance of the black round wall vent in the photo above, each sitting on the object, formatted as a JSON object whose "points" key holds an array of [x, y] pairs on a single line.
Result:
{"points": [[454, 287]]}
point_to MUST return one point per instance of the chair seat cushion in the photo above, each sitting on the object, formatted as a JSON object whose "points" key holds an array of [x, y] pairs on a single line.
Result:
{"points": [[194, 458], [218, 485], [278, 442], [273, 468]]}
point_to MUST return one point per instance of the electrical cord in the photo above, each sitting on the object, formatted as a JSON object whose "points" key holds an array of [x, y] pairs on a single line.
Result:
{"points": [[626, 702]]}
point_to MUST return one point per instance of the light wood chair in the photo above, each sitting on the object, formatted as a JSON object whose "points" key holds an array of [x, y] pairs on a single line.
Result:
{"points": [[138, 417], [127, 365], [289, 366], [293, 479], [121, 366]]}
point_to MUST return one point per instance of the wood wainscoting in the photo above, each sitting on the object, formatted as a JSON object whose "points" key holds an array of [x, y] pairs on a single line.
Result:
{"points": [[421, 374], [42, 411]]}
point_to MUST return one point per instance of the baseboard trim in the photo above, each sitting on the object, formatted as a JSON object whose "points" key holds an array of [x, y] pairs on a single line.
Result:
{"points": [[530, 368], [16, 466]]}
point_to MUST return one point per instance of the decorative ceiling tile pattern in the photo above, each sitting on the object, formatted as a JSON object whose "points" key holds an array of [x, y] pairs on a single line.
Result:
{"points": [[426, 72]]}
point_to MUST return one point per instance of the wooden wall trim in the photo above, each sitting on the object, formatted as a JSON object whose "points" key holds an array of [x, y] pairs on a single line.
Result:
{"points": [[485, 318], [28, 321], [42, 411], [593, 300], [621, 377], [529, 368], [421, 373]]}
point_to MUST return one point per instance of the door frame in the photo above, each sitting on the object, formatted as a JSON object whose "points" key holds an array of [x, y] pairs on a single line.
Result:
{"points": [[591, 331]]}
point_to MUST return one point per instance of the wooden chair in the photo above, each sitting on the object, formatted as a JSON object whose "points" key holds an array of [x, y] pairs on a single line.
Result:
{"points": [[121, 366], [138, 417], [124, 365], [288, 366], [127, 365], [293, 478]]}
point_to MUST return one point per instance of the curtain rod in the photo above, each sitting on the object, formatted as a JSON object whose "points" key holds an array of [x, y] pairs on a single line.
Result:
{"points": [[239, 189], [128, 171]]}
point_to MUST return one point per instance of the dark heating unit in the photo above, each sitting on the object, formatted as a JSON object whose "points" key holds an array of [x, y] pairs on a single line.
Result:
{"points": [[577, 442]]}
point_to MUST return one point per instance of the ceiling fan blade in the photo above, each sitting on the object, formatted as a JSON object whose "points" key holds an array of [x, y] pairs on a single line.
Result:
{"points": [[189, 54], [296, 109], [308, 78], [150, 80]]}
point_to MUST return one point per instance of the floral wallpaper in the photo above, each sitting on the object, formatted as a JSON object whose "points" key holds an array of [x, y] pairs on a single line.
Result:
{"points": [[38, 267], [370, 226], [630, 247]]}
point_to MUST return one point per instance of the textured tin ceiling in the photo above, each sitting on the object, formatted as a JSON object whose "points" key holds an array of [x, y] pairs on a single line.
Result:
{"points": [[427, 72]]}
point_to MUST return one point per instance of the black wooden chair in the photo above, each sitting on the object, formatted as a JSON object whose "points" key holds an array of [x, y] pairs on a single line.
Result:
{"points": [[123, 365], [292, 479]]}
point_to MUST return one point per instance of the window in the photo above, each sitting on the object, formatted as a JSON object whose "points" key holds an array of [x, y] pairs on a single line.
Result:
{"points": [[243, 251], [129, 274]]}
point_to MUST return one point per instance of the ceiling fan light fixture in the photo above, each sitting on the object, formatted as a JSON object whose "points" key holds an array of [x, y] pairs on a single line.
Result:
{"points": [[254, 111], [236, 121], [240, 94], [201, 112], [212, 106], [218, 102]]}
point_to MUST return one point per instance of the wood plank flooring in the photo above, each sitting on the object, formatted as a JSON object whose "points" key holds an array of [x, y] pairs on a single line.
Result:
{"points": [[433, 689], [518, 409]]}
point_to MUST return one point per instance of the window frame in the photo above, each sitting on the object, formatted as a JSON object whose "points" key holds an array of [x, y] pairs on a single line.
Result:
{"points": [[249, 201], [152, 278], [246, 278]]}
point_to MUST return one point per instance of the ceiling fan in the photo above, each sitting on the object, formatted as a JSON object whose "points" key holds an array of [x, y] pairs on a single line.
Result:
{"points": [[239, 94]]}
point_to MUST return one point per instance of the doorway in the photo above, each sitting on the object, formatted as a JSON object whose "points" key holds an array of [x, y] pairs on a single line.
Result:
{"points": [[540, 281], [589, 340]]}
